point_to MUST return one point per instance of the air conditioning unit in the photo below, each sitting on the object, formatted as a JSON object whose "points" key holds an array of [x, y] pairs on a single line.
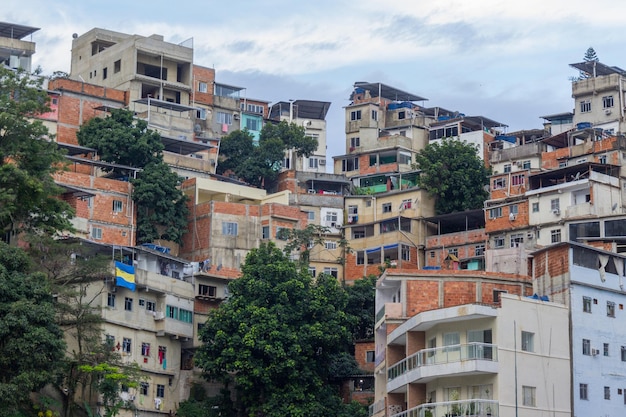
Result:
{"points": [[322, 162], [556, 212], [607, 111], [595, 352], [212, 162], [530, 236], [236, 116], [512, 217], [519, 164]]}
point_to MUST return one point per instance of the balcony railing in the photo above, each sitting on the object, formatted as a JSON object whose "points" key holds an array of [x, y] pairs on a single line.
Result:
{"points": [[442, 355], [471, 408]]}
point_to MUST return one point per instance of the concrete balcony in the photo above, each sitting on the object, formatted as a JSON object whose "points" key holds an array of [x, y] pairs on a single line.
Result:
{"points": [[472, 408], [429, 364], [189, 162], [171, 327], [163, 284]]}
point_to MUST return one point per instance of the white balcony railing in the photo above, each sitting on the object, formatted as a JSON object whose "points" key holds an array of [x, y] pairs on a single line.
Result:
{"points": [[466, 408], [442, 355]]}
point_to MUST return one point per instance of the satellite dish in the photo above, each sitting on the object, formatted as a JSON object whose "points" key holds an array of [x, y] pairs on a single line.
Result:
{"points": [[74, 35]]}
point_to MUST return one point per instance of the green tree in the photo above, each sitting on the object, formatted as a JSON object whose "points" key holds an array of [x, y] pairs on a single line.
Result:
{"points": [[277, 337], [161, 205], [31, 343], [302, 240], [453, 173], [361, 304], [590, 55], [75, 274], [109, 380], [28, 194], [259, 164]]}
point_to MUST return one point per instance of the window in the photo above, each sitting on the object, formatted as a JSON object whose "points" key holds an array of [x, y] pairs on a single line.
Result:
{"points": [[401, 115], [526, 165], [454, 252], [229, 228], [128, 304], [479, 250], [313, 163], [535, 207], [145, 349], [517, 240], [160, 392], [96, 233], [331, 271], [331, 216], [143, 388], [142, 302], [453, 340], [310, 215], [605, 349], [585, 106], [586, 347], [406, 253], [528, 342], [117, 206], [265, 232], [587, 304], [517, 179], [105, 73], [203, 87], [355, 115], [330, 244], [224, 118], [584, 391], [312, 271], [126, 345], [374, 115], [602, 159], [282, 233], [528, 394], [172, 312], [555, 204], [514, 209], [555, 235], [360, 257], [355, 142], [111, 300], [607, 393], [623, 353], [254, 108], [207, 290], [150, 306], [117, 66], [496, 295], [369, 356], [610, 309], [109, 341], [350, 164], [432, 253], [494, 213], [507, 168], [499, 183], [607, 102], [498, 242], [185, 316], [387, 208], [253, 124]]}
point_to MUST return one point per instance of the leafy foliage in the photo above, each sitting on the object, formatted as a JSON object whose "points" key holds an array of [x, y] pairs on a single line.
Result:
{"points": [[122, 139], [590, 55], [277, 337], [31, 343], [109, 381], [453, 173], [75, 273], [27, 161], [259, 164], [361, 304]]}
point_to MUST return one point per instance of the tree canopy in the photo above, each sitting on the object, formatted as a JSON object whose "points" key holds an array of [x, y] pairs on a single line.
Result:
{"points": [[453, 173], [28, 194], [590, 55], [31, 343], [259, 164], [278, 337], [122, 139]]}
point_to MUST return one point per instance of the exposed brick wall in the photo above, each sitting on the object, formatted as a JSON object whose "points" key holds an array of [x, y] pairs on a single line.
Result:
{"points": [[205, 75], [360, 354]]}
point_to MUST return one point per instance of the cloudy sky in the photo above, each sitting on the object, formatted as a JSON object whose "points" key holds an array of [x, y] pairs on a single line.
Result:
{"points": [[506, 60]]}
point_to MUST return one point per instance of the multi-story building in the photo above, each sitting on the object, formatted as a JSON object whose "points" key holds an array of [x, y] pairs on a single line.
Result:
{"points": [[599, 97], [15, 51], [311, 115], [453, 343], [589, 281]]}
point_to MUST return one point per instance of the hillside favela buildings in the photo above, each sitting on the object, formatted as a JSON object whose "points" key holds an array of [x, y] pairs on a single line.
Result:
{"points": [[509, 310]]}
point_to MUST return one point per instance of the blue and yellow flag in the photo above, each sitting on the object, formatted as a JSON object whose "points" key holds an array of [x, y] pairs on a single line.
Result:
{"points": [[125, 276]]}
